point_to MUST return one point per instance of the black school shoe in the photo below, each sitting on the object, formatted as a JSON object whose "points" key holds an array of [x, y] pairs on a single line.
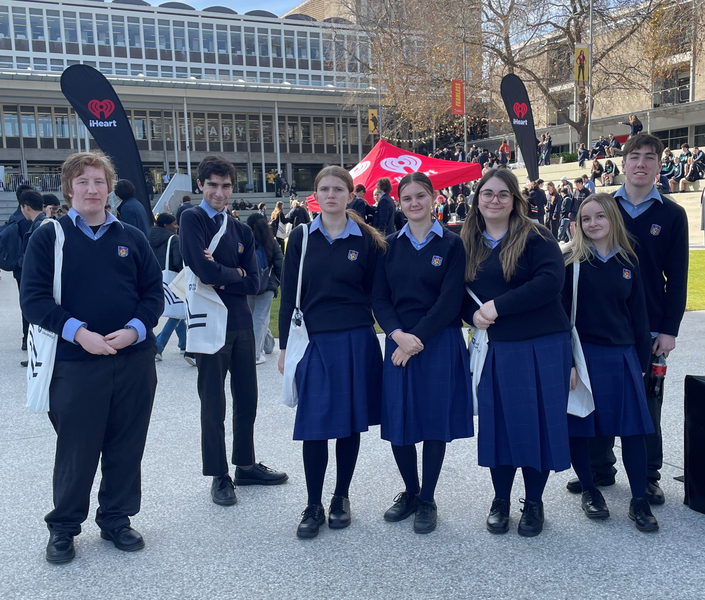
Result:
{"points": [[404, 506], [125, 538], [223, 490], [339, 512], [426, 516], [640, 513], [594, 505], [498, 519], [312, 518], [259, 475], [531, 523], [60, 548], [575, 487], [654, 493]]}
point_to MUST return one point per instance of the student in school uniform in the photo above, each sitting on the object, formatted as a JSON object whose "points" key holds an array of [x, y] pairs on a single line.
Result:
{"points": [[616, 344], [339, 378], [104, 379], [515, 267], [233, 272], [427, 396], [660, 228]]}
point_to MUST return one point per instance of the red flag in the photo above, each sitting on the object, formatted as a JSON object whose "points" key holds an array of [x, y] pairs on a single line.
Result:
{"points": [[386, 160], [457, 89], [311, 204]]}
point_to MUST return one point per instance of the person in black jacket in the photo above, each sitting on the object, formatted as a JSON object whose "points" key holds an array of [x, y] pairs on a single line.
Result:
{"points": [[616, 344], [614, 148], [261, 303], [537, 201], [159, 237], [515, 268], [583, 155], [131, 210], [24, 226], [104, 377], [185, 205], [384, 217], [360, 205], [233, 272], [298, 214]]}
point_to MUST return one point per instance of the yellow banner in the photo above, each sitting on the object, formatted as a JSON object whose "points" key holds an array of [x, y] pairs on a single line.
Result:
{"points": [[582, 64], [372, 121]]}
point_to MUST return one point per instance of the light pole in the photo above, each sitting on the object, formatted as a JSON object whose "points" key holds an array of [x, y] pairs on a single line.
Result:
{"points": [[589, 94]]}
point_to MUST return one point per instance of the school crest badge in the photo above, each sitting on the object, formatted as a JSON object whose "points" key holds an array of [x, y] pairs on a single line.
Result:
{"points": [[353, 254], [436, 261], [123, 251], [655, 229], [240, 248], [626, 273]]}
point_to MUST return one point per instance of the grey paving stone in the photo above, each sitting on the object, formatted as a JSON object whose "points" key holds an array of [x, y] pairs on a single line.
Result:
{"points": [[196, 549]]}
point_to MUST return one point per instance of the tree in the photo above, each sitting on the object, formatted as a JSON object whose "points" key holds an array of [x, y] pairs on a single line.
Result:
{"points": [[535, 40], [416, 48]]}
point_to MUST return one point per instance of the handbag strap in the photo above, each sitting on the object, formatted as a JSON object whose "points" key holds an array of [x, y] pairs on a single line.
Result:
{"points": [[58, 257], [304, 246], [473, 296], [574, 308], [168, 253], [221, 232]]}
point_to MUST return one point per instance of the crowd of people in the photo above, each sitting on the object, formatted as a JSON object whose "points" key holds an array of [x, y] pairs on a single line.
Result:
{"points": [[505, 274]]}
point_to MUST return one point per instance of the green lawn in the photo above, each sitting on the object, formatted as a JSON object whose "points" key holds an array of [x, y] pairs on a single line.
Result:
{"points": [[696, 281], [696, 290]]}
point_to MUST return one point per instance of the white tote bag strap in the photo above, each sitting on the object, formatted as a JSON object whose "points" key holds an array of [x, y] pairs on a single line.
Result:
{"points": [[304, 245], [574, 308], [221, 232], [168, 253], [58, 256], [473, 296]]}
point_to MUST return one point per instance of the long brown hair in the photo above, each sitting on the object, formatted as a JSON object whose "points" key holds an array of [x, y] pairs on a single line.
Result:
{"points": [[514, 241], [336, 171], [580, 249], [278, 209]]}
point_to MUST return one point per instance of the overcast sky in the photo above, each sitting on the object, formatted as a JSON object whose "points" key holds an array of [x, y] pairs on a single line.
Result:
{"points": [[278, 7]]}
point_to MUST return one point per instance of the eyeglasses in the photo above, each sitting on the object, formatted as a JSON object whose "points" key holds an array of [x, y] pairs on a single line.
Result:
{"points": [[503, 197]]}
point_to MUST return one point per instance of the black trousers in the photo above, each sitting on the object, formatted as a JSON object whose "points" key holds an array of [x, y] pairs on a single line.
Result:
{"points": [[238, 357], [602, 458], [25, 322], [100, 409]]}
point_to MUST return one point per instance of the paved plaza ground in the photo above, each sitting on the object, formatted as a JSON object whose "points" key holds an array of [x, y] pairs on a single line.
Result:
{"points": [[196, 549]]}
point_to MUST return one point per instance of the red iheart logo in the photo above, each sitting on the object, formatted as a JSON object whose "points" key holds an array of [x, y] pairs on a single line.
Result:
{"points": [[520, 109], [102, 109]]}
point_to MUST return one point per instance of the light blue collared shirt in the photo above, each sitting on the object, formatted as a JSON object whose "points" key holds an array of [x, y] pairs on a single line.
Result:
{"points": [[210, 211], [604, 259], [352, 228], [490, 241], [436, 229], [639, 209], [590, 185], [73, 325]]}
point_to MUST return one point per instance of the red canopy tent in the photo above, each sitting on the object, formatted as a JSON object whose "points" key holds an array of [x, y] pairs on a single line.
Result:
{"points": [[385, 160]]}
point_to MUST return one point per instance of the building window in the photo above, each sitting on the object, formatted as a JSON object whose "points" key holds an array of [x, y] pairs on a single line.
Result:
{"points": [[19, 22], [168, 72], [139, 124], [12, 128], [133, 32], [102, 30], [276, 43], [181, 73], [236, 41], [673, 138], [106, 68], [29, 122], [194, 38], [136, 70], [164, 35], [118, 30], [149, 33], [179, 38], [61, 123], [251, 77], [5, 42], [700, 136], [40, 64], [196, 72], [289, 44], [315, 46], [208, 38], [70, 28], [120, 68], [87, 29], [224, 74], [673, 87], [37, 24], [44, 121], [57, 64], [250, 49], [222, 39], [263, 42], [152, 71], [210, 74], [301, 45]]}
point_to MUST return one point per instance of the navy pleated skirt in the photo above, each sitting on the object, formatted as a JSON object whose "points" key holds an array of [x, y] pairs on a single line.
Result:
{"points": [[523, 403], [431, 397], [618, 391], [339, 382]]}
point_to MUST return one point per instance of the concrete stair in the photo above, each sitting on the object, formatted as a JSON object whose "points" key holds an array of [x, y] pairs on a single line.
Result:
{"points": [[689, 200], [8, 205]]}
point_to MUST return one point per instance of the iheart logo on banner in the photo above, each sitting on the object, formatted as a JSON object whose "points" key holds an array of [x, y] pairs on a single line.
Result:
{"points": [[360, 169], [520, 110], [401, 163], [102, 109]]}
